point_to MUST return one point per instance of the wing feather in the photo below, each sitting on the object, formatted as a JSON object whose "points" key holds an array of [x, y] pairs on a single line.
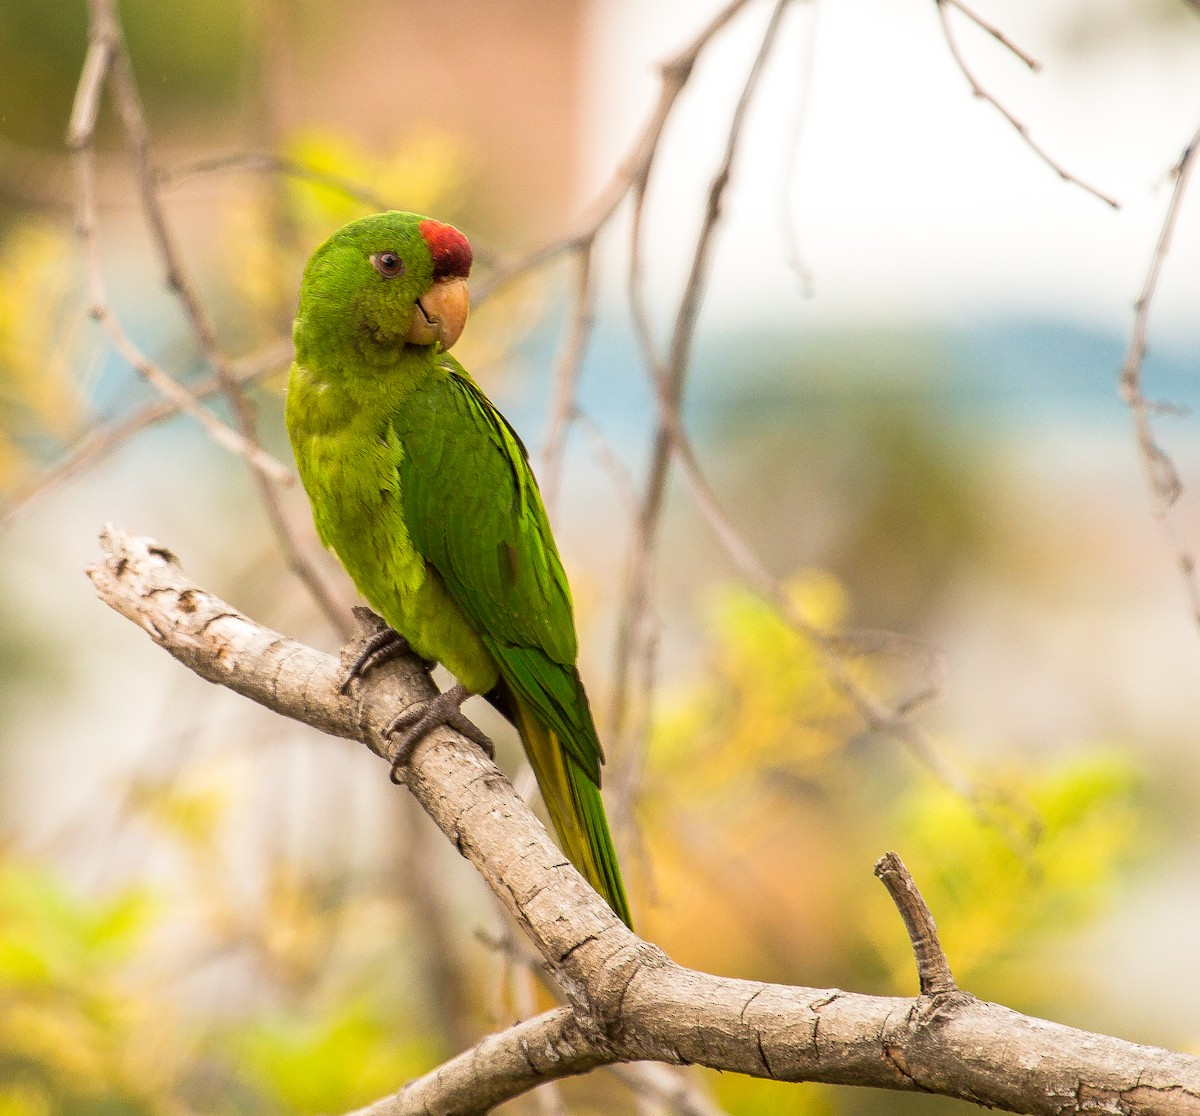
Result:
{"points": [[473, 510]]}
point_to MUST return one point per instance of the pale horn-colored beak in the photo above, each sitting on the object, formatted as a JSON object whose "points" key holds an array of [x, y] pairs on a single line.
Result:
{"points": [[440, 314]]}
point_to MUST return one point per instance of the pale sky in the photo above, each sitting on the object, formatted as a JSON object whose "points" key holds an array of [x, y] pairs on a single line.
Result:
{"points": [[916, 202]]}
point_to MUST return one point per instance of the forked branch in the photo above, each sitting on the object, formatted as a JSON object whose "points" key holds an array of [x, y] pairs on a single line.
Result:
{"points": [[627, 1001]]}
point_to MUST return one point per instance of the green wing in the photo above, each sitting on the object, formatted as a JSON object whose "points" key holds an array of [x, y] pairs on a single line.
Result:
{"points": [[472, 508]]}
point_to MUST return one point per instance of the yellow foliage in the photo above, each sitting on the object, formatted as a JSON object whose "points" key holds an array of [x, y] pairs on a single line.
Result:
{"points": [[993, 898], [734, 851], [37, 341], [191, 810], [763, 700], [25, 1099], [761, 825], [423, 176], [71, 1023], [269, 237]]}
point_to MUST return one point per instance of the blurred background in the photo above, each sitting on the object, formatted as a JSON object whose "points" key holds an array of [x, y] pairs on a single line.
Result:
{"points": [[904, 391]]}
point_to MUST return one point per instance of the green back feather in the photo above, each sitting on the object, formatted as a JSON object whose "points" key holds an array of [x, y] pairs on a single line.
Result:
{"points": [[472, 508]]}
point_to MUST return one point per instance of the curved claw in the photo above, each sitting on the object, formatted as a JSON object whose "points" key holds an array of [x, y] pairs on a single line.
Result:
{"points": [[384, 646], [423, 717]]}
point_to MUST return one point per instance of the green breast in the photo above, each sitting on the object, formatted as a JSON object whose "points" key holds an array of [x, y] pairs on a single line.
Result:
{"points": [[348, 457]]}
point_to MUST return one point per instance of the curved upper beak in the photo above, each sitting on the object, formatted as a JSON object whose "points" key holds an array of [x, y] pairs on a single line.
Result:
{"points": [[440, 314]]}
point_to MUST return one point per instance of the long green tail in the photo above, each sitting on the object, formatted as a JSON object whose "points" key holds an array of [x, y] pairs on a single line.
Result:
{"points": [[575, 808]]}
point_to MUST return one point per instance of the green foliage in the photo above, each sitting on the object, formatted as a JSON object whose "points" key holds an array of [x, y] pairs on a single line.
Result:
{"points": [[334, 1062]]}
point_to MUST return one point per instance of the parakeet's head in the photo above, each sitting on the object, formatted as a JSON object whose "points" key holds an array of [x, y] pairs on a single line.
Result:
{"points": [[385, 282]]}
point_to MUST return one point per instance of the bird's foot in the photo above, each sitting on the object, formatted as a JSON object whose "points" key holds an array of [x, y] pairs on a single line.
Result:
{"points": [[423, 717], [384, 645]]}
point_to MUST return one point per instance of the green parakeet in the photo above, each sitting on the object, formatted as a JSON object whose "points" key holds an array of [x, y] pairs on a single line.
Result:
{"points": [[425, 493]]}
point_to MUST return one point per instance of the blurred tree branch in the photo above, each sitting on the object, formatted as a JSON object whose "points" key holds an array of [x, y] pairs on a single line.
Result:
{"points": [[1162, 476], [978, 90], [627, 1001]]}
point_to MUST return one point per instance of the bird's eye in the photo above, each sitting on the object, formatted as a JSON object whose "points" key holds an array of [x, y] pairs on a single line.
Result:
{"points": [[388, 264]]}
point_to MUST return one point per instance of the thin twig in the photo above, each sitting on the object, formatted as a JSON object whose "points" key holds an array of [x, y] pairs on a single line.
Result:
{"points": [[606, 457], [95, 444], [996, 34], [265, 162], [830, 647], [834, 649], [791, 232], [566, 375], [1161, 473], [668, 376], [1018, 126], [933, 969], [81, 130], [670, 1088], [633, 168]]}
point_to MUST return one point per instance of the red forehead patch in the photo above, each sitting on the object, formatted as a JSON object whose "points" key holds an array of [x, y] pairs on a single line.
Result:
{"points": [[450, 250]]}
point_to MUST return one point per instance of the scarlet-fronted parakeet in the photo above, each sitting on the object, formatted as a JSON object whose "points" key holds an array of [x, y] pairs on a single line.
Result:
{"points": [[425, 493]]}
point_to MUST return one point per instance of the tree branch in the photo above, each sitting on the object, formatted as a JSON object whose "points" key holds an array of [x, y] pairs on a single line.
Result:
{"points": [[98, 441], [627, 1000], [1162, 476], [526, 1055], [1018, 126], [933, 970]]}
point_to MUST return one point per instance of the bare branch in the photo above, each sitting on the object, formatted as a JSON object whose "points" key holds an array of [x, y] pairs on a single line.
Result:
{"points": [[668, 377], [635, 631], [265, 162], [80, 136], [1161, 474], [634, 168], [95, 444], [628, 1001], [566, 375], [933, 970], [1020, 128], [996, 34]]}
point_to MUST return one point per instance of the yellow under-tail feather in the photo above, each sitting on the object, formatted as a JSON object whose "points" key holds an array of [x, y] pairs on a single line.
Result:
{"points": [[576, 810]]}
